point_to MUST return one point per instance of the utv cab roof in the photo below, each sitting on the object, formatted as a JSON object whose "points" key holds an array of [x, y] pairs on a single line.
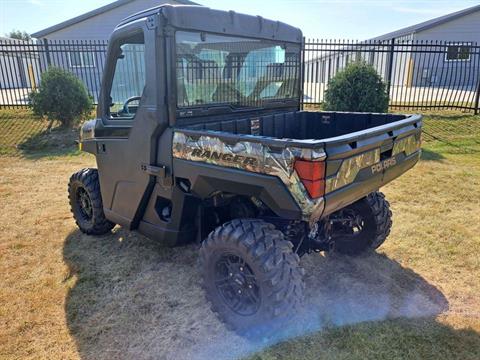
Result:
{"points": [[200, 18]]}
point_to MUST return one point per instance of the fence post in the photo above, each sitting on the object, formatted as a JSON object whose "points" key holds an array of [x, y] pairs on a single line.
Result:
{"points": [[390, 65], [47, 52], [477, 98], [302, 73]]}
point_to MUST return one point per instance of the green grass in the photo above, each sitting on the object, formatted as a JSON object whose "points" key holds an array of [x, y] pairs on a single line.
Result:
{"points": [[393, 339], [16, 126], [24, 134], [452, 132]]}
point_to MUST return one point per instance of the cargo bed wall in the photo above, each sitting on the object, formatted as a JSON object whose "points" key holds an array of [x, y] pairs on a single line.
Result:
{"points": [[363, 151], [299, 125]]}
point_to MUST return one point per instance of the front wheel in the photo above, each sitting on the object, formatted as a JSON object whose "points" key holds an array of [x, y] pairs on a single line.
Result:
{"points": [[361, 226], [251, 276], [86, 203]]}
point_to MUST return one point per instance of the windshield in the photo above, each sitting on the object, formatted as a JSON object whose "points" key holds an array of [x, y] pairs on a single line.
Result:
{"points": [[214, 69]]}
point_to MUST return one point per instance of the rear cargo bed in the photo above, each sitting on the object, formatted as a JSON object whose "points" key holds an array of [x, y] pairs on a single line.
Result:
{"points": [[298, 125], [362, 151]]}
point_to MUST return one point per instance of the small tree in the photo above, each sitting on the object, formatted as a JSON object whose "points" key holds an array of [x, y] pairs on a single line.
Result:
{"points": [[19, 35], [357, 88], [61, 96]]}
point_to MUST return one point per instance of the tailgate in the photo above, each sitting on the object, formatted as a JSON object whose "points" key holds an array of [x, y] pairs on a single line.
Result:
{"points": [[362, 162]]}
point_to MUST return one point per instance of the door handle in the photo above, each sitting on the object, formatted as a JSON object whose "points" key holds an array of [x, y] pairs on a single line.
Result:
{"points": [[160, 172], [154, 170]]}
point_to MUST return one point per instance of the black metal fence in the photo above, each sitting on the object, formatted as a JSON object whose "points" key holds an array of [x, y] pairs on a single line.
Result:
{"points": [[22, 64], [419, 74]]}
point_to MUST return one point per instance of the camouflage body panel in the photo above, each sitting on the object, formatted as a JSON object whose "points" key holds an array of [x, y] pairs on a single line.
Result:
{"points": [[350, 168], [254, 157], [259, 158], [408, 145], [87, 131]]}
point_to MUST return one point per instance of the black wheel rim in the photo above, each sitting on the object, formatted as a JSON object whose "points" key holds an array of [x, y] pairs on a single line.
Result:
{"points": [[84, 204], [237, 285]]}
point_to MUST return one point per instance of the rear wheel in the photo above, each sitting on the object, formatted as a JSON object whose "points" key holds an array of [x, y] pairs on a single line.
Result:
{"points": [[251, 277], [86, 203], [361, 226]]}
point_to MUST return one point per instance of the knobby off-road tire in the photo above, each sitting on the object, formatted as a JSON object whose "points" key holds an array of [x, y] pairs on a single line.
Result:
{"points": [[251, 255], [377, 222], [86, 203]]}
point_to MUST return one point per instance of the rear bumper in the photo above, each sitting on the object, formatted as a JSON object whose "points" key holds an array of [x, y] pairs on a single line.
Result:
{"points": [[366, 183]]}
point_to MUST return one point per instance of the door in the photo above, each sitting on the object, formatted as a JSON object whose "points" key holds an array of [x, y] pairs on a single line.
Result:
{"points": [[130, 124]]}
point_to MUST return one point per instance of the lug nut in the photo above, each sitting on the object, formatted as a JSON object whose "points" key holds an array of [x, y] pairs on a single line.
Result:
{"points": [[241, 268], [231, 274], [250, 286], [239, 291]]}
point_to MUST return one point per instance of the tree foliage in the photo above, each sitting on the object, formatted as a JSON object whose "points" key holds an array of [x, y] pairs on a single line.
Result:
{"points": [[19, 35], [61, 96], [357, 88]]}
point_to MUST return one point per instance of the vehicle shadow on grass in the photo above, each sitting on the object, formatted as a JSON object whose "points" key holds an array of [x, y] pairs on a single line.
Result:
{"points": [[130, 298], [430, 155], [55, 142]]}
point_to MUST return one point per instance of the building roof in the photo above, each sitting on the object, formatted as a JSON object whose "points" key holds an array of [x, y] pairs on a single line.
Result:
{"points": [[91, 14], [428, 24]]}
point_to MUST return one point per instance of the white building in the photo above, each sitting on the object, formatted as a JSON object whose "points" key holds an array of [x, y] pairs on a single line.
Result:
{"points": [[98, 24], [79, 45], [449, 58]]}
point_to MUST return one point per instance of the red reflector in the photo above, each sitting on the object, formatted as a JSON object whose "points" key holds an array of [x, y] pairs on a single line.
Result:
{"points": [[310, 170], [315, 188], [312, 174]]}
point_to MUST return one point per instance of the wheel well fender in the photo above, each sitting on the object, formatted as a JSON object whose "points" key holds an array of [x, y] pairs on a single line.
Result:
{"points": [[206, 179]]}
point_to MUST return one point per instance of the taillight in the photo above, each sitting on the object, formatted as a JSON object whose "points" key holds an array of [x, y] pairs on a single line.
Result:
{"points": [[312, 175]]}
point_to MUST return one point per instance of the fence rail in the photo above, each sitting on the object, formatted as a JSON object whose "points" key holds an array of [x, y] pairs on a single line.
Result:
{"points": [[418, 74], [22, 64]]}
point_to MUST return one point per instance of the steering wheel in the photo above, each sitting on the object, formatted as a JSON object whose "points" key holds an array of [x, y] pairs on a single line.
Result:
{"points": [[125, 108]]}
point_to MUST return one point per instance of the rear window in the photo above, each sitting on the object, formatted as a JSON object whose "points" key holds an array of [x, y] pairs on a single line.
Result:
{"points": [[215, 69]]}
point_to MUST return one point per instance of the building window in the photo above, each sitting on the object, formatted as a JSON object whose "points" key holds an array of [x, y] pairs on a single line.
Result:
{"points": [[81, 59], [458, 52]]}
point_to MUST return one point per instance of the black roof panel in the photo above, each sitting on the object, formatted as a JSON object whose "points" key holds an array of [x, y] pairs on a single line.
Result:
{"points": [[200, 18]]}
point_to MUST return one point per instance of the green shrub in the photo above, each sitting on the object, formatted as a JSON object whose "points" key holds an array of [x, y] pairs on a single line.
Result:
{"points": [[357, 88], [61, 96]]}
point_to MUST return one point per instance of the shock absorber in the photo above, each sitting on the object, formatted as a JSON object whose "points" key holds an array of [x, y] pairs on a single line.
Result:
{"points": [[320, 236]]}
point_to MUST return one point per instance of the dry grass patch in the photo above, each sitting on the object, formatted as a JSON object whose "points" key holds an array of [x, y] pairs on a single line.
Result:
{"points": [[64, 295], [34, 223]]}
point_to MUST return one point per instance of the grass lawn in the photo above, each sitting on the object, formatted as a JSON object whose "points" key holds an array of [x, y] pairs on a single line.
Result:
{"points": [[16, 127], [22, 133], [64, 295]]}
